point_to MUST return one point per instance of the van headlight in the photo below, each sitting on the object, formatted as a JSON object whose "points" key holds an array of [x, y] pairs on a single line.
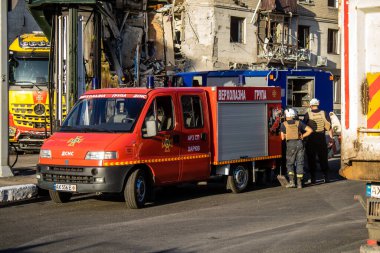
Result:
{"points": [[101, 155], [45, 153]]}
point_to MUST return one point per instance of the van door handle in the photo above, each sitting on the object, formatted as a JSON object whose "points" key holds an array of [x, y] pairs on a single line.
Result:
{"points": [[175, 138]]}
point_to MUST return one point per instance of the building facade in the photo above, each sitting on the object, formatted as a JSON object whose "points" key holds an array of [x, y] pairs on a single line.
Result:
{"points": [[242, 34]]}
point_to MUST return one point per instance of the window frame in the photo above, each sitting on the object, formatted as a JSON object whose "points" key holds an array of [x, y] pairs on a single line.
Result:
{"points": [[332, 3], [241, 26], [155, 111], [306, 39], [200, 110], [332, 41]]}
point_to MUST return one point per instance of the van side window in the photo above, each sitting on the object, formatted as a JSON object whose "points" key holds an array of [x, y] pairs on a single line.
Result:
{"points": [[165, 117], [161, 110], [192, 111]]}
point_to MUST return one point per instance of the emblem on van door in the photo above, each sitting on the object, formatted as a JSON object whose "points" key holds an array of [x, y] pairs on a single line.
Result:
{"points": [[73, 141], [167, 143]]}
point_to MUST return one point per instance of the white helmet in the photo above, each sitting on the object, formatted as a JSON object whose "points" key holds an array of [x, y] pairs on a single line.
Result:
{"points": [[290, 113], [314, 101]]}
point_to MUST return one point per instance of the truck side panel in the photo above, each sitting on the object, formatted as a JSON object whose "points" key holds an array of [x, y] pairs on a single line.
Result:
{"points": [[361, 121], [243, 130], [242, 123]]}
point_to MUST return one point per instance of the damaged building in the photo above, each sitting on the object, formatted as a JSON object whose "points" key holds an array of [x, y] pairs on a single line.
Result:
{"points": [[257, 34], [133, 39], [235, 34]]}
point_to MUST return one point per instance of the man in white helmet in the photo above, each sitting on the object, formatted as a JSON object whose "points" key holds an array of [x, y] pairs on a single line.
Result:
{"points": [[319, 121], [293, 131]]}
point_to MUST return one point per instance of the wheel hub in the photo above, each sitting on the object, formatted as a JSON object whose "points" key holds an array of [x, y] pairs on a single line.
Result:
{"points": [[140, 189], [241, 177]]}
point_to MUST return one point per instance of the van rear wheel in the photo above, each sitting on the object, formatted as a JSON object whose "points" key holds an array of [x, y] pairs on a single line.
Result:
{"points": [[238, 181], [136, 189], [60, 197]]}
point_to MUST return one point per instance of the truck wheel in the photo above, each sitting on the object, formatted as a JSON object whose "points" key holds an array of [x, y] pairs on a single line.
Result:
{"points": [[60, 197], [135, 191], [238, 181]]}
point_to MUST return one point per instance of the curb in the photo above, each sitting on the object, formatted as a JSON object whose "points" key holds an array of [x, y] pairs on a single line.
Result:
{"points": [[18, 192]]}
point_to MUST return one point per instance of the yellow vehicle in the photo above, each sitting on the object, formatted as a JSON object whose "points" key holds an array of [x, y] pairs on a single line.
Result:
{"points": [[29, 121]]}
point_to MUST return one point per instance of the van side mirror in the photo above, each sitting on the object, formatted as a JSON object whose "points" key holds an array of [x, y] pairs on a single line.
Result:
{"points": [[151, 128]]}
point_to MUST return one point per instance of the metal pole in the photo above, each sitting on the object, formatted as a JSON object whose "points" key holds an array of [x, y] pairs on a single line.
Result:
{"points": [[98, 49], [80, 61], [72, 74], [59, 61], [5, 171], [51, 85]]}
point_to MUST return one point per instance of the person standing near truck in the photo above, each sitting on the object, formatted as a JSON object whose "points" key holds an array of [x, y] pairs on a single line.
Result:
{"points": [[319, 121], [293, 131]]}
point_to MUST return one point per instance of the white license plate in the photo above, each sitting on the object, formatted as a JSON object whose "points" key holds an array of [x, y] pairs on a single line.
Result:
{"points": [[66, 187], [375, 191]]}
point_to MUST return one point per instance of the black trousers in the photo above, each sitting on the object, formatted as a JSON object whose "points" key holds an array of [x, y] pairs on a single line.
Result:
{"points": [[316, 146]]}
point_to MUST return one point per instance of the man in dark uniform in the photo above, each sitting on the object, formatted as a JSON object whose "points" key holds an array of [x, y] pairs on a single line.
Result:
{"points": [[293, 131], [319, 121]]}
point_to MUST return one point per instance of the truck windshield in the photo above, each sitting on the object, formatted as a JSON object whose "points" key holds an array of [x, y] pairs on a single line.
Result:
{"points": [[103, 115], [26, 71]]}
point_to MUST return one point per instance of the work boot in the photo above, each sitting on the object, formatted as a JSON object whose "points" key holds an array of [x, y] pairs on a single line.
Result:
{"points": [[299, 182], [291, 182], [312, 179], [327, 180]]}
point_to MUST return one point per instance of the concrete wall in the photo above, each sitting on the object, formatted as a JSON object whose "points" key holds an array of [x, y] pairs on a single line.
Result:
{"points": [[318, 9], [199, 36], [20, 21], [319, 17], [232, 52], [207, 33], [207, 43]]}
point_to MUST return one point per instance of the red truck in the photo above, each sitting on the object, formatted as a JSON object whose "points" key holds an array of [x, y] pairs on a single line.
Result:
{"points": [[130, 140]]}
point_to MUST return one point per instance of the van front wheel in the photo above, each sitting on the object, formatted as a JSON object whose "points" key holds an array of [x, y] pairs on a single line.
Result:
{"points": [[238, 181], [60, 197], [135, 191]]}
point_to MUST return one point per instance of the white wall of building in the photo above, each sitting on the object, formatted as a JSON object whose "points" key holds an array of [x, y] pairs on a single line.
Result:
{"points": [[319, 40], [234, 52], [199, 36]]}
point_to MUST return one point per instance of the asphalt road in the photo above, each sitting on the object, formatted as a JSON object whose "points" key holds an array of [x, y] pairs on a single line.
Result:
{"points": [[203, 218]]}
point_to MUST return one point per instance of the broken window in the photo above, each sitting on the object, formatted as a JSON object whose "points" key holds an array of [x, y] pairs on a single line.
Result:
{"points": [[303, 37], [237, 30], [332, 41], [332, 3]]}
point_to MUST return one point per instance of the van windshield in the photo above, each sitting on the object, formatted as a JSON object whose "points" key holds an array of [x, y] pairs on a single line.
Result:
{"points": [[103, 115]]}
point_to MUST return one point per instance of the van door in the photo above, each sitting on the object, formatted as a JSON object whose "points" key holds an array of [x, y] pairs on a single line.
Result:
{"points": [[161, 151], [195, 136]]}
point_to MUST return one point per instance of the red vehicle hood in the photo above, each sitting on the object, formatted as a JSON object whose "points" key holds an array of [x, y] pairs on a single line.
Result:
{"points": [[71, 148]]}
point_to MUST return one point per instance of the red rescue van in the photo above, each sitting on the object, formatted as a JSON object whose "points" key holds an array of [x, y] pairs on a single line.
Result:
{"points": [[132, 139]]}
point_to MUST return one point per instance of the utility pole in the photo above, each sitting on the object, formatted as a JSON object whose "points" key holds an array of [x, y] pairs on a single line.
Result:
{"points": [[5, 171]]}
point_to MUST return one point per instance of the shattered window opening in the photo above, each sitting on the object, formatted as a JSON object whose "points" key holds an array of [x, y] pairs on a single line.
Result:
{"points": [[237, 30], [332, 3], [332, 41], [304, 37]]}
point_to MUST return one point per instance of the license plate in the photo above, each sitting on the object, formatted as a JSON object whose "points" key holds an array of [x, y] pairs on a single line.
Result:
{"points": [[373, 191], [66, 187]]}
